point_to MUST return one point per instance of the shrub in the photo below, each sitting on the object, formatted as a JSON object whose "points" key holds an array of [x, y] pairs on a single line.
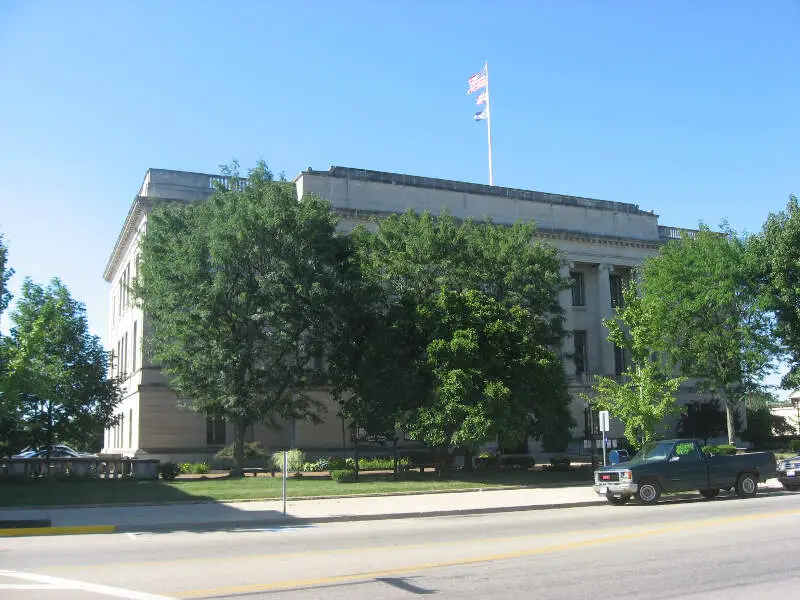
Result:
{"points": [[722, 450], [380, 463], [185, 467], [560, 463], [343, 476], [795, 445], [252, 450], [295, 460], [517, 462], [200, 468], [487, 460], [168, 470], [335, 463]]}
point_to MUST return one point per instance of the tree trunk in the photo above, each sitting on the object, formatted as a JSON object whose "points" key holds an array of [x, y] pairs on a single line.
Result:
{"points": [[468, 457], [396, 454], [49, 436], [239, 429], [729, 419], [355, 453], [445, 463]]}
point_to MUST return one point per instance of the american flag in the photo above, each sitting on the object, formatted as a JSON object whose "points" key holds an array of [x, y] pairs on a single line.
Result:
{"points": [[482, 98], [480, 115], [478, 81]]}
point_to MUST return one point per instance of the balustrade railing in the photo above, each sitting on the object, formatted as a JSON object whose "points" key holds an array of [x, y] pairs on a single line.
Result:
{"points": [[80, 468]]}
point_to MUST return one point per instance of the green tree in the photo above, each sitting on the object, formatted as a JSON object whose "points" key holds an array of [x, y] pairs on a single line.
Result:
{"points": [[241, 292], [776, 252], [762, 425], [645, 394], [703, 420], [412, 259], [58, 372], [5, 274], [491, 373], [9, 416], [703, 296]]}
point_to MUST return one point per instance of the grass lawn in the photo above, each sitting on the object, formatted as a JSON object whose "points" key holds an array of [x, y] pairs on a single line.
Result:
{"points": [[64, 493]]}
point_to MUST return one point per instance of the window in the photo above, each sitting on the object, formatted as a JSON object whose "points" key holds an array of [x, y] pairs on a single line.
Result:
{"points": [[579, 357], [578, 293], [619, 361], [617, 285], [125, 354], [134, 349], [215, 431]]}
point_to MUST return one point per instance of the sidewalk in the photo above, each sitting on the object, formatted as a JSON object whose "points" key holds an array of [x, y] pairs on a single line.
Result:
{"points": [[209, 516]]}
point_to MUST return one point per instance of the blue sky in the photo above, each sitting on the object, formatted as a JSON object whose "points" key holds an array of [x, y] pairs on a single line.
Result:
{"points": [[689, 109]]}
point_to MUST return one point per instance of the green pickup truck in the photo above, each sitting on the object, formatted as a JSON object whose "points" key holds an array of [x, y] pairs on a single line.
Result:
{"points": [[681, 466]]}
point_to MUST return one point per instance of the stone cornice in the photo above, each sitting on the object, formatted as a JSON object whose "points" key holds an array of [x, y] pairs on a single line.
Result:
{"points": [[553, 234], [464, 187], [137, 210]]}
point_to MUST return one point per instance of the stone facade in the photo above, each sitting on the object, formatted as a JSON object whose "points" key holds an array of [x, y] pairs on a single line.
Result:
{"points": [[600, 241]]}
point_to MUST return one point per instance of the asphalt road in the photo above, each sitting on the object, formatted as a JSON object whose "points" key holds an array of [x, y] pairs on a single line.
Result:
{"points": [[725, 548]]}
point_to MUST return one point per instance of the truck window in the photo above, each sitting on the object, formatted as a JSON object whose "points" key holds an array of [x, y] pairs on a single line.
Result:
{"points": [[686, 451]]}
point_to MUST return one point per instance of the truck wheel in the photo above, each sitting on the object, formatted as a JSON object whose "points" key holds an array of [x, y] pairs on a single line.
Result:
{"points": [[712, 493], [649, 492], [746, 486], [617, 500]]}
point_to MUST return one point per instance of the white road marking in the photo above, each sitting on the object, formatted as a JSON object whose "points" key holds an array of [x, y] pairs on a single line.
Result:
{"points": [[59, 583], [29, 586]]}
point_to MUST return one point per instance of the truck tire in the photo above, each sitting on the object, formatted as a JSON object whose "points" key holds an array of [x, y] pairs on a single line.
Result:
{"points": [[746, 485], [617, 500], [710, 493], [648, 493]]}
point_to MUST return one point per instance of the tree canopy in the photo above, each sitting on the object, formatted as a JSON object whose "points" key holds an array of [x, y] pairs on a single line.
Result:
{"points": [[775, 254], [703, 296], [57, 380], [241, 291], [455, 311], [645, 394]]}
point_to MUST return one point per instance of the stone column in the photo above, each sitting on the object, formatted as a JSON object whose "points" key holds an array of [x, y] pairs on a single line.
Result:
{"points": [[605, 311], [568, 344]]}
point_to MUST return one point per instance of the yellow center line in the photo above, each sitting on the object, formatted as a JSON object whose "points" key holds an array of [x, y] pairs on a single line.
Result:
{"points": [[297, 583]]}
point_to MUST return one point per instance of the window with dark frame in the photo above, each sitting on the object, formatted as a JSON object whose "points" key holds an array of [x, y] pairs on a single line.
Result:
{"points": [[579, 338], [578, 290], [617, 283], [619, 361]]}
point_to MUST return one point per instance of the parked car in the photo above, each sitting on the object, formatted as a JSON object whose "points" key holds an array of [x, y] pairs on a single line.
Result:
{"points": [[789, 473], [56, 451], [681, 466]]}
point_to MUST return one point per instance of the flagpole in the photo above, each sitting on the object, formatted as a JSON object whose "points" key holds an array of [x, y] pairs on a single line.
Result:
{"points": [[489, 123]]}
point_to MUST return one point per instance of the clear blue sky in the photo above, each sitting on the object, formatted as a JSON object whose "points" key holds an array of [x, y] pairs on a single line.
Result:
{"points": [[689, 109]]}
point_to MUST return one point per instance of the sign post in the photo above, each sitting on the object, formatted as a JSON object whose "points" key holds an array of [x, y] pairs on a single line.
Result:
{"points": [[603, 419], [285, 468]]}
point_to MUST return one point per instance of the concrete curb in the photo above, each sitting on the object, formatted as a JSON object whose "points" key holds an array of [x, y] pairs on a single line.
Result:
{"points": [[17, 523], [287, 521]]}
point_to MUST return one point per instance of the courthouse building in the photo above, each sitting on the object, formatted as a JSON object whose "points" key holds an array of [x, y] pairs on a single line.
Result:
{"points": [[600, 241]]}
